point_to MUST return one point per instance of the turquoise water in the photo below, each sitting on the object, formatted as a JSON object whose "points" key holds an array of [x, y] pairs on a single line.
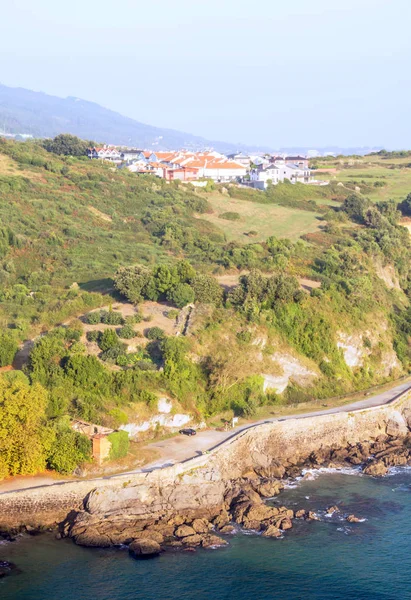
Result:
{"points": [[327, 560]]}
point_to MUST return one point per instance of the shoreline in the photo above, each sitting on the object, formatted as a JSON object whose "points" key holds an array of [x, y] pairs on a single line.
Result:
{"points": [[191, 504]]}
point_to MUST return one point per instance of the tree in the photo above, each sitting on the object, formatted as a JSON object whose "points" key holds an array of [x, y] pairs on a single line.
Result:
{"points": [[207, 290], [355, 207], [133, 282], [405, 206], [69, 449], [181, 295], [22, 415], [389, 209], [165, 278], [8, 348], [68, 145], [185, 271]]}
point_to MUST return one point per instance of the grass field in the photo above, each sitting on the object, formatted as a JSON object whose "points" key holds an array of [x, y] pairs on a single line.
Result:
{"points": [[265, 219], [395, 173]]}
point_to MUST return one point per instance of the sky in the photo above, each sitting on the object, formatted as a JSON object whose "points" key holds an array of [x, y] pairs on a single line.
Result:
{"points": [[275, 73]]}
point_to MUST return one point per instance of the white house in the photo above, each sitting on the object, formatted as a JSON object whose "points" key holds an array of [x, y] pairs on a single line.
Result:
{"points": [[105, 153]]}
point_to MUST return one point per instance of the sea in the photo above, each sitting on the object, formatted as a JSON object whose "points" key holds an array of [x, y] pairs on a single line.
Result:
{"points": [[329, 559]]}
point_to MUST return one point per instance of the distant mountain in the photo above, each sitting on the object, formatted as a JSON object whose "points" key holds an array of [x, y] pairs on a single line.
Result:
{"points": [[27, 112]]}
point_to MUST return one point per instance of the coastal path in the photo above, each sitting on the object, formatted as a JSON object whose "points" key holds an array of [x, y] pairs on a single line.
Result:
{"points": [[181, 448]]}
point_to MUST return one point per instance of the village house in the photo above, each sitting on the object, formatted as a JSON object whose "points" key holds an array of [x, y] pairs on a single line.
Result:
{"points": [[241, 158], [109, 153], [129, 154]]}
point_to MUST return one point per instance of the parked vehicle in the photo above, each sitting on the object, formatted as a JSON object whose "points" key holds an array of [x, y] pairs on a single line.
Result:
{"points": [[188, 431]]}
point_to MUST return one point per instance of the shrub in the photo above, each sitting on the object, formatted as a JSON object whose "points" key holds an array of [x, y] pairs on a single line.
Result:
{"points": [[108, 340], [172, 314], [230, 216], [111, 318], [145, 365], [155, 333], [181, 295], [93, 318], [120, 444], [126, 332], [244, 336], [93, 336], [119, 417], [113, 353], [133, 319]]}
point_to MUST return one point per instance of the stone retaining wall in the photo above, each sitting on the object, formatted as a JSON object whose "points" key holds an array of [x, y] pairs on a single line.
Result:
{"points": [[257, 446]]}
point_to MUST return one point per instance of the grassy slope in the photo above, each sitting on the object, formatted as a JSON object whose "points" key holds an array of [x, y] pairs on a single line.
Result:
{"points": [[265, 219], [366, 171]]}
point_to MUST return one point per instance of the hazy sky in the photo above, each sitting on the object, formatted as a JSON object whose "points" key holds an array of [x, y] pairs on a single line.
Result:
{"points": [[307, 73]]}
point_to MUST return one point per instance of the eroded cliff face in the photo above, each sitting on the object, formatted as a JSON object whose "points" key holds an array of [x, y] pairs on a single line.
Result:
{"points": [[241, 472]]}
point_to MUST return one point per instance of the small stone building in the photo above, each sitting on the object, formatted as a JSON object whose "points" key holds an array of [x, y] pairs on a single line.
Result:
{"points": [[98, 436]]}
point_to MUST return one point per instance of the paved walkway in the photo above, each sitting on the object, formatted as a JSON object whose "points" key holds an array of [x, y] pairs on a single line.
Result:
{"points": [[181, 448]]}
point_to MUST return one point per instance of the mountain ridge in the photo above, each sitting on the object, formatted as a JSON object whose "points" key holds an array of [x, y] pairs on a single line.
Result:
{"points": [[45, 115]]}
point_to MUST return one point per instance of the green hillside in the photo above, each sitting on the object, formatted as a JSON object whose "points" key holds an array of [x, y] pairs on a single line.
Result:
{"points": [[77, 235]]}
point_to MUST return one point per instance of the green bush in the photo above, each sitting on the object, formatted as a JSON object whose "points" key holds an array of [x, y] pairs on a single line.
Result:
{"points": [[133, 319], [230, 216], [111, 318], [93, 336], [93, 318], [119, 417], [120, 444], [8, 349], [113, 354], [126, 332], [108, 339], [181, 295], [155, 333]]}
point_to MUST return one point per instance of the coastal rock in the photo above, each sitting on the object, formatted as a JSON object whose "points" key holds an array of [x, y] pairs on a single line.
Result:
{"points": [[312, 516], [192, 540], [213, 541], [200, 525], [274, 471], [301, 514], [173, 543], [144, 548], [221, 520], [227, 529], [92, 538], [397, 427], [7, 568], [269, 488], [260, 512], [184, 531], [148, 534], [353, 519], [163, 528], [272, 531], [332, 510], [284, 524], [376, 469]]}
